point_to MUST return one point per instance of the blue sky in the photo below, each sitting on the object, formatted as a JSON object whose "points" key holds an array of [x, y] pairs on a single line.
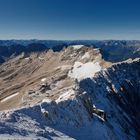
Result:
{"points": [[69, 19]]}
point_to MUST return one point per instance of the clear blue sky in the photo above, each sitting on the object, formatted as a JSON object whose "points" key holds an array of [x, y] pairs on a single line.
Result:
{"points": [[69, 19]]}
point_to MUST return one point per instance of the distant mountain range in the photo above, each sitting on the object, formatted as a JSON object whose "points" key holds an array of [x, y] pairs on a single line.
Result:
{"points": [[112, 50]]}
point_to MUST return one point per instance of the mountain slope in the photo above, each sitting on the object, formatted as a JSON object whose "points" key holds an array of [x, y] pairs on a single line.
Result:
{"points": [[27, 73], [71, 94], [96, 108]]}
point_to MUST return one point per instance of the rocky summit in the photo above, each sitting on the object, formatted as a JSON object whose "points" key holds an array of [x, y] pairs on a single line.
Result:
{"points": [[73, 93]]}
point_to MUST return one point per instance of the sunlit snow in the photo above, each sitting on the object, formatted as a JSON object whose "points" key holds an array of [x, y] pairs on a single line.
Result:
{"points": [[81, 71], [77, 46], [43, 80]]}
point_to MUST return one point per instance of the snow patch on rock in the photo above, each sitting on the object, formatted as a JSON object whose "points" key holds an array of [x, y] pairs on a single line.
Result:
{"points": [[46, 100], [77, 46], [65, 96], [86, 55], [9, 97], [81, 71], [43, 80]]}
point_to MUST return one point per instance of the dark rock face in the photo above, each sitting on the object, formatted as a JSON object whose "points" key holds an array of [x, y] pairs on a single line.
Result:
{"points": [[117, 92]]}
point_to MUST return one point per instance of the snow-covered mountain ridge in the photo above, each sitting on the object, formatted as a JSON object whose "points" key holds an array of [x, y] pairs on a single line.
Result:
{"points": [[100, 105]]}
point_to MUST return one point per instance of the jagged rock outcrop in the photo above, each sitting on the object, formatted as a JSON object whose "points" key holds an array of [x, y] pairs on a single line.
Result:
{"points": [[118, 87]]}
